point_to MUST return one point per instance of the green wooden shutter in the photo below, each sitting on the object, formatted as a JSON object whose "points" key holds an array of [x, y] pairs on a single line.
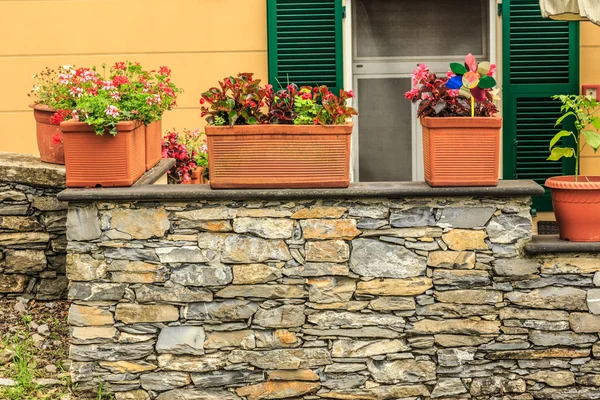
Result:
{"points": [[305, 42], [540, 59]]}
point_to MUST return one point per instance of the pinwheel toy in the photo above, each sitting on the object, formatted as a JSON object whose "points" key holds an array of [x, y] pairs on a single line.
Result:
{"points": [[473, 79]]}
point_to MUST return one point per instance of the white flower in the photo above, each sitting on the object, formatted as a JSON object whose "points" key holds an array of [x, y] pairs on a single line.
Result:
{"points": [[67, 67]]}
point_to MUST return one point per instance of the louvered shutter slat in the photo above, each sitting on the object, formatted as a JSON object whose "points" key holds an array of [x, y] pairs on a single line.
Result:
{"points": [[540, 60], [305, 43]]}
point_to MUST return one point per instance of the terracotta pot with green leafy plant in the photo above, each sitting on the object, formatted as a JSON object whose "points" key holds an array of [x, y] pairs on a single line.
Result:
{"points": [[576, 199], [259, 137], [461, 132]]}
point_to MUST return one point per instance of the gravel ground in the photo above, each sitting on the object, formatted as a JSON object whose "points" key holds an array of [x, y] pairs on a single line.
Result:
{"points": [[34, 350]]}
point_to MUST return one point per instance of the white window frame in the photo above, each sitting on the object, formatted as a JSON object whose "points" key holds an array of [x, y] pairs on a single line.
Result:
{"points": [[378, 68]]}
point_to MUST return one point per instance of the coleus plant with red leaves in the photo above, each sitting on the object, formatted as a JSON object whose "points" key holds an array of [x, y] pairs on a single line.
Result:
{"points": [[242, 100], [465, 91]]}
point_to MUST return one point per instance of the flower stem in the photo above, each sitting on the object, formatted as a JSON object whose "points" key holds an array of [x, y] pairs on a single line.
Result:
{"points": [[472, 107]]}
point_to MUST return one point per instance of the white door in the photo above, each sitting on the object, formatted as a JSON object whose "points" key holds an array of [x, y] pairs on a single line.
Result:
{"points": [[389, 39]]}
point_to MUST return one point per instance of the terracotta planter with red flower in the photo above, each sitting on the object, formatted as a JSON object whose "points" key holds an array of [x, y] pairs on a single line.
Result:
{"points": [[103, 160], [295, 137], [279, 156], [48, 135], [461, 151], [461, 132]]}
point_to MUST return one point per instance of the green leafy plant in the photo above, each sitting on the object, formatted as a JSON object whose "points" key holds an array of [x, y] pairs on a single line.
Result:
{"points": [[582, 109], [238, 100]]}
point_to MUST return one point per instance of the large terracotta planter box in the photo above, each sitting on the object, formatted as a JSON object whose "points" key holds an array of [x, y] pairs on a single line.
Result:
{"points": [[153, 144], [461, 151], [103, 160], [279, 156], [50, 152]]}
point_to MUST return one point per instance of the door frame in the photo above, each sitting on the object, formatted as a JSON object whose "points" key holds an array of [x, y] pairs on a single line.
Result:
{"points": [[351, 83]]}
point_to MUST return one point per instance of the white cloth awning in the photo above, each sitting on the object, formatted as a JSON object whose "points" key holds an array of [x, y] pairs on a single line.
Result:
{"points": [[571, 10]]}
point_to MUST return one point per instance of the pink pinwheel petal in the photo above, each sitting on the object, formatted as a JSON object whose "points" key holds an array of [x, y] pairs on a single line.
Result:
{"points": [[470, 62]]}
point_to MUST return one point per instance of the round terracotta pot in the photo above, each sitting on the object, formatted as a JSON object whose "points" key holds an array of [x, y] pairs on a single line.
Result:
{"points": [[45, 131], [198, 176], [576, 207]]}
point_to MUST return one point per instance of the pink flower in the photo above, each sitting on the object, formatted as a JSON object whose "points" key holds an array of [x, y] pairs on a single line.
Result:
{"points": [[452, 92], [412, 93], [420, 74], [115, 96], [108, 85], [306, 96], [450, 74], [471, 63], [112, 111], [350, 94], [492, 70], [57, 139], [64, 79], [76, 91]]}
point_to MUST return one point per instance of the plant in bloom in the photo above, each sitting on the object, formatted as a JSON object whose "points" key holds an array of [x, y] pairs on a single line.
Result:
{"points": [[242, 100], [189, 151], [466, 90], [128, 93]]}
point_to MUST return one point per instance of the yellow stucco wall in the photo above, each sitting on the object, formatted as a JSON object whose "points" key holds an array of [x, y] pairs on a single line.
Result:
{"points": [[201, 41], [590, 75]]}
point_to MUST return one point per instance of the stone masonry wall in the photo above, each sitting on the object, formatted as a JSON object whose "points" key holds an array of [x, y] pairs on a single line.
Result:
{"points": [[342, 299], [32, 228]]}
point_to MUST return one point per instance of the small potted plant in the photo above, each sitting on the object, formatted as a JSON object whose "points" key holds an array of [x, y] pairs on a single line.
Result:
{"points": [[115, 108], [196, 141], [191, 154], [461, 132], [576, 199], [158, 83], [52, 101], [259, 137]]}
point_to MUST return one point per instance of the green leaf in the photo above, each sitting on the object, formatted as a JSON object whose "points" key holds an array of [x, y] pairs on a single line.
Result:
{"points": [[252, 121], [465, 92], [230, 104], [558, 121], [557, 137], [592, 139], [457, 68], [233, 116], [487, 82], [560, 152], [596, 123]]}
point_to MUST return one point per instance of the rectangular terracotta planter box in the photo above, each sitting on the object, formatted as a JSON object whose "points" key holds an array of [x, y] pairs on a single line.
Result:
{"points": [[103, 160], [153, 144], [279, 156], [461, 151]]}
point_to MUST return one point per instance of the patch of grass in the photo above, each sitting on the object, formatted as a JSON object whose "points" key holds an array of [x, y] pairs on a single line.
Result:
{"points": [[28, 361], [101, 395]]}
